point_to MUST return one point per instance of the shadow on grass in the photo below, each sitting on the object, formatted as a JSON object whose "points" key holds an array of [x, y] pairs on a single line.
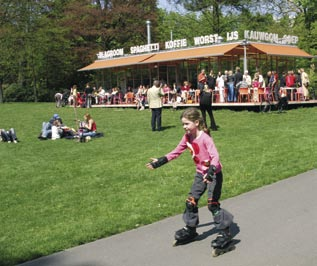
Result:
{"points": [[166, 128]]}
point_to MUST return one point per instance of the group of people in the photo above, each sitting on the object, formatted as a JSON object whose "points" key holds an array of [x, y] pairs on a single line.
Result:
{"points": [[207, 84], [229, 80], [226, 84], [87, 97], [55, 129], [140, 97], [156, 93], [91, 95], [154, 98], [232, 81], [197, 139], [300, 82]]}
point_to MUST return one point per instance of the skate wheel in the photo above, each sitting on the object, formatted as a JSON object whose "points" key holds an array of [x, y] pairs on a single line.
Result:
{"points": [[175, 242], [215, 252], [231, 248]]}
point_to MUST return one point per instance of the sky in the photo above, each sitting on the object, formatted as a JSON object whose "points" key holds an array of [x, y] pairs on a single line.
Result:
{"points": [[165, 5]]}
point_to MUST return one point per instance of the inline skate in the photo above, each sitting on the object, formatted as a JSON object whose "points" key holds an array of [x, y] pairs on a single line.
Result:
{"points": [[222, 244], [185, 235]]}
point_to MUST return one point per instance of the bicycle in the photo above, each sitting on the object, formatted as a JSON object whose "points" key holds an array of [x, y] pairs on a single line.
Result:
{"points": [[266, 101], [267, 104]]}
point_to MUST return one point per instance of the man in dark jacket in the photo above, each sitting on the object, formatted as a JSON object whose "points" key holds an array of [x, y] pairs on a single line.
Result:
{"points": [[205, 105], [238, 77]]}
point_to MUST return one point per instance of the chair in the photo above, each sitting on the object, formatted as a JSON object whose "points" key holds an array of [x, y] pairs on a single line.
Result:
{"points": [[215, 96], [129, 97], [197, 94], [184, 95], [268, 93], [260, 94], [299, 95], [225, 94], [254, 94], [117, 99], [244, 93]]}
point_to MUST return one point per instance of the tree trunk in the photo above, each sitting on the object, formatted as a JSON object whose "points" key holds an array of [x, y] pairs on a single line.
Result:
{"points": [[216, 17], [1, 92]]}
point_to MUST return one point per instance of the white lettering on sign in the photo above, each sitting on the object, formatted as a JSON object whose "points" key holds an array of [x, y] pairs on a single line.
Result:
{"points": [[289, 39], [145, 48], [269, 37], [207, 39], [232, 36], [203, 40], [175, 44], [110, 53]]}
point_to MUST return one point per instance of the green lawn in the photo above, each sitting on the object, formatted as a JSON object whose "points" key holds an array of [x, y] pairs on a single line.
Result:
{"points": [[62, 193]]}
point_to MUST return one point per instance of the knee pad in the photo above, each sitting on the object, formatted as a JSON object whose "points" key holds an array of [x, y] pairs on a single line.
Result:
{"points": [[213, 206], [223, 219], [191, 204]]}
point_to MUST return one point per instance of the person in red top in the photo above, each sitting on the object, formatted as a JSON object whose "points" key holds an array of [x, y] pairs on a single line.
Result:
{"points": [[202, 79], [89, 126], [290, 79], [185, 91]]}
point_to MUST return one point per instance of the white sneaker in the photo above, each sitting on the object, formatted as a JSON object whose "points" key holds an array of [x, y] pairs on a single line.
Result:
{"points": [[15, 141]]}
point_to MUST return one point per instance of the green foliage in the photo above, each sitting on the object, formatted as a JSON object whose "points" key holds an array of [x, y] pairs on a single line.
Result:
{"points": [[44, 43], [181, 26], [62, 193], [16, 93]]}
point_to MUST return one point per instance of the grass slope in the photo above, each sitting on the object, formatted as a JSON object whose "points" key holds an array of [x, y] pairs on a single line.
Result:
{"points": [[58, 194]]}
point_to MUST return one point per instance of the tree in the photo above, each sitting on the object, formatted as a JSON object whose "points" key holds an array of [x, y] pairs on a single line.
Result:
{"points": [[43, 43], [27, 39], [177, 26], [213, 9]]}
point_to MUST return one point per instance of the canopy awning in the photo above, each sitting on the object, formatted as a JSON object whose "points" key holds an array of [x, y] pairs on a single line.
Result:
{"points": [[280, 50], [116, 62], [192, 53]]}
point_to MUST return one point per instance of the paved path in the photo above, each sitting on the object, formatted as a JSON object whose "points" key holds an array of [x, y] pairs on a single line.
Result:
{"points": [[275, 226]]}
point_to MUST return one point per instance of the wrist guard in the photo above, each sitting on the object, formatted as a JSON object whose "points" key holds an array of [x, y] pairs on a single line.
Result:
{"points": [[211, 172], [160, 161]]}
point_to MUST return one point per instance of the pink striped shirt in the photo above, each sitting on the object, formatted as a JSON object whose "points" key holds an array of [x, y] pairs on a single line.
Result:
{"points": [[203, 150]]}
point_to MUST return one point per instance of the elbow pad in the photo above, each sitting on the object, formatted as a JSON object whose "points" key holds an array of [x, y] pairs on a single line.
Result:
{"points": [[160, 161]]}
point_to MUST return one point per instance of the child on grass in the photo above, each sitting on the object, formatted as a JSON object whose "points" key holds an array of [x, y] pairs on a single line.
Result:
{"points": [[8, 135], [208, 177]]}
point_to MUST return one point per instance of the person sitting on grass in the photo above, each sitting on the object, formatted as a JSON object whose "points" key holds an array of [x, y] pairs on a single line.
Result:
{"points": [[57, 130], [8, 135], [46, 131], [88, 127]]}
